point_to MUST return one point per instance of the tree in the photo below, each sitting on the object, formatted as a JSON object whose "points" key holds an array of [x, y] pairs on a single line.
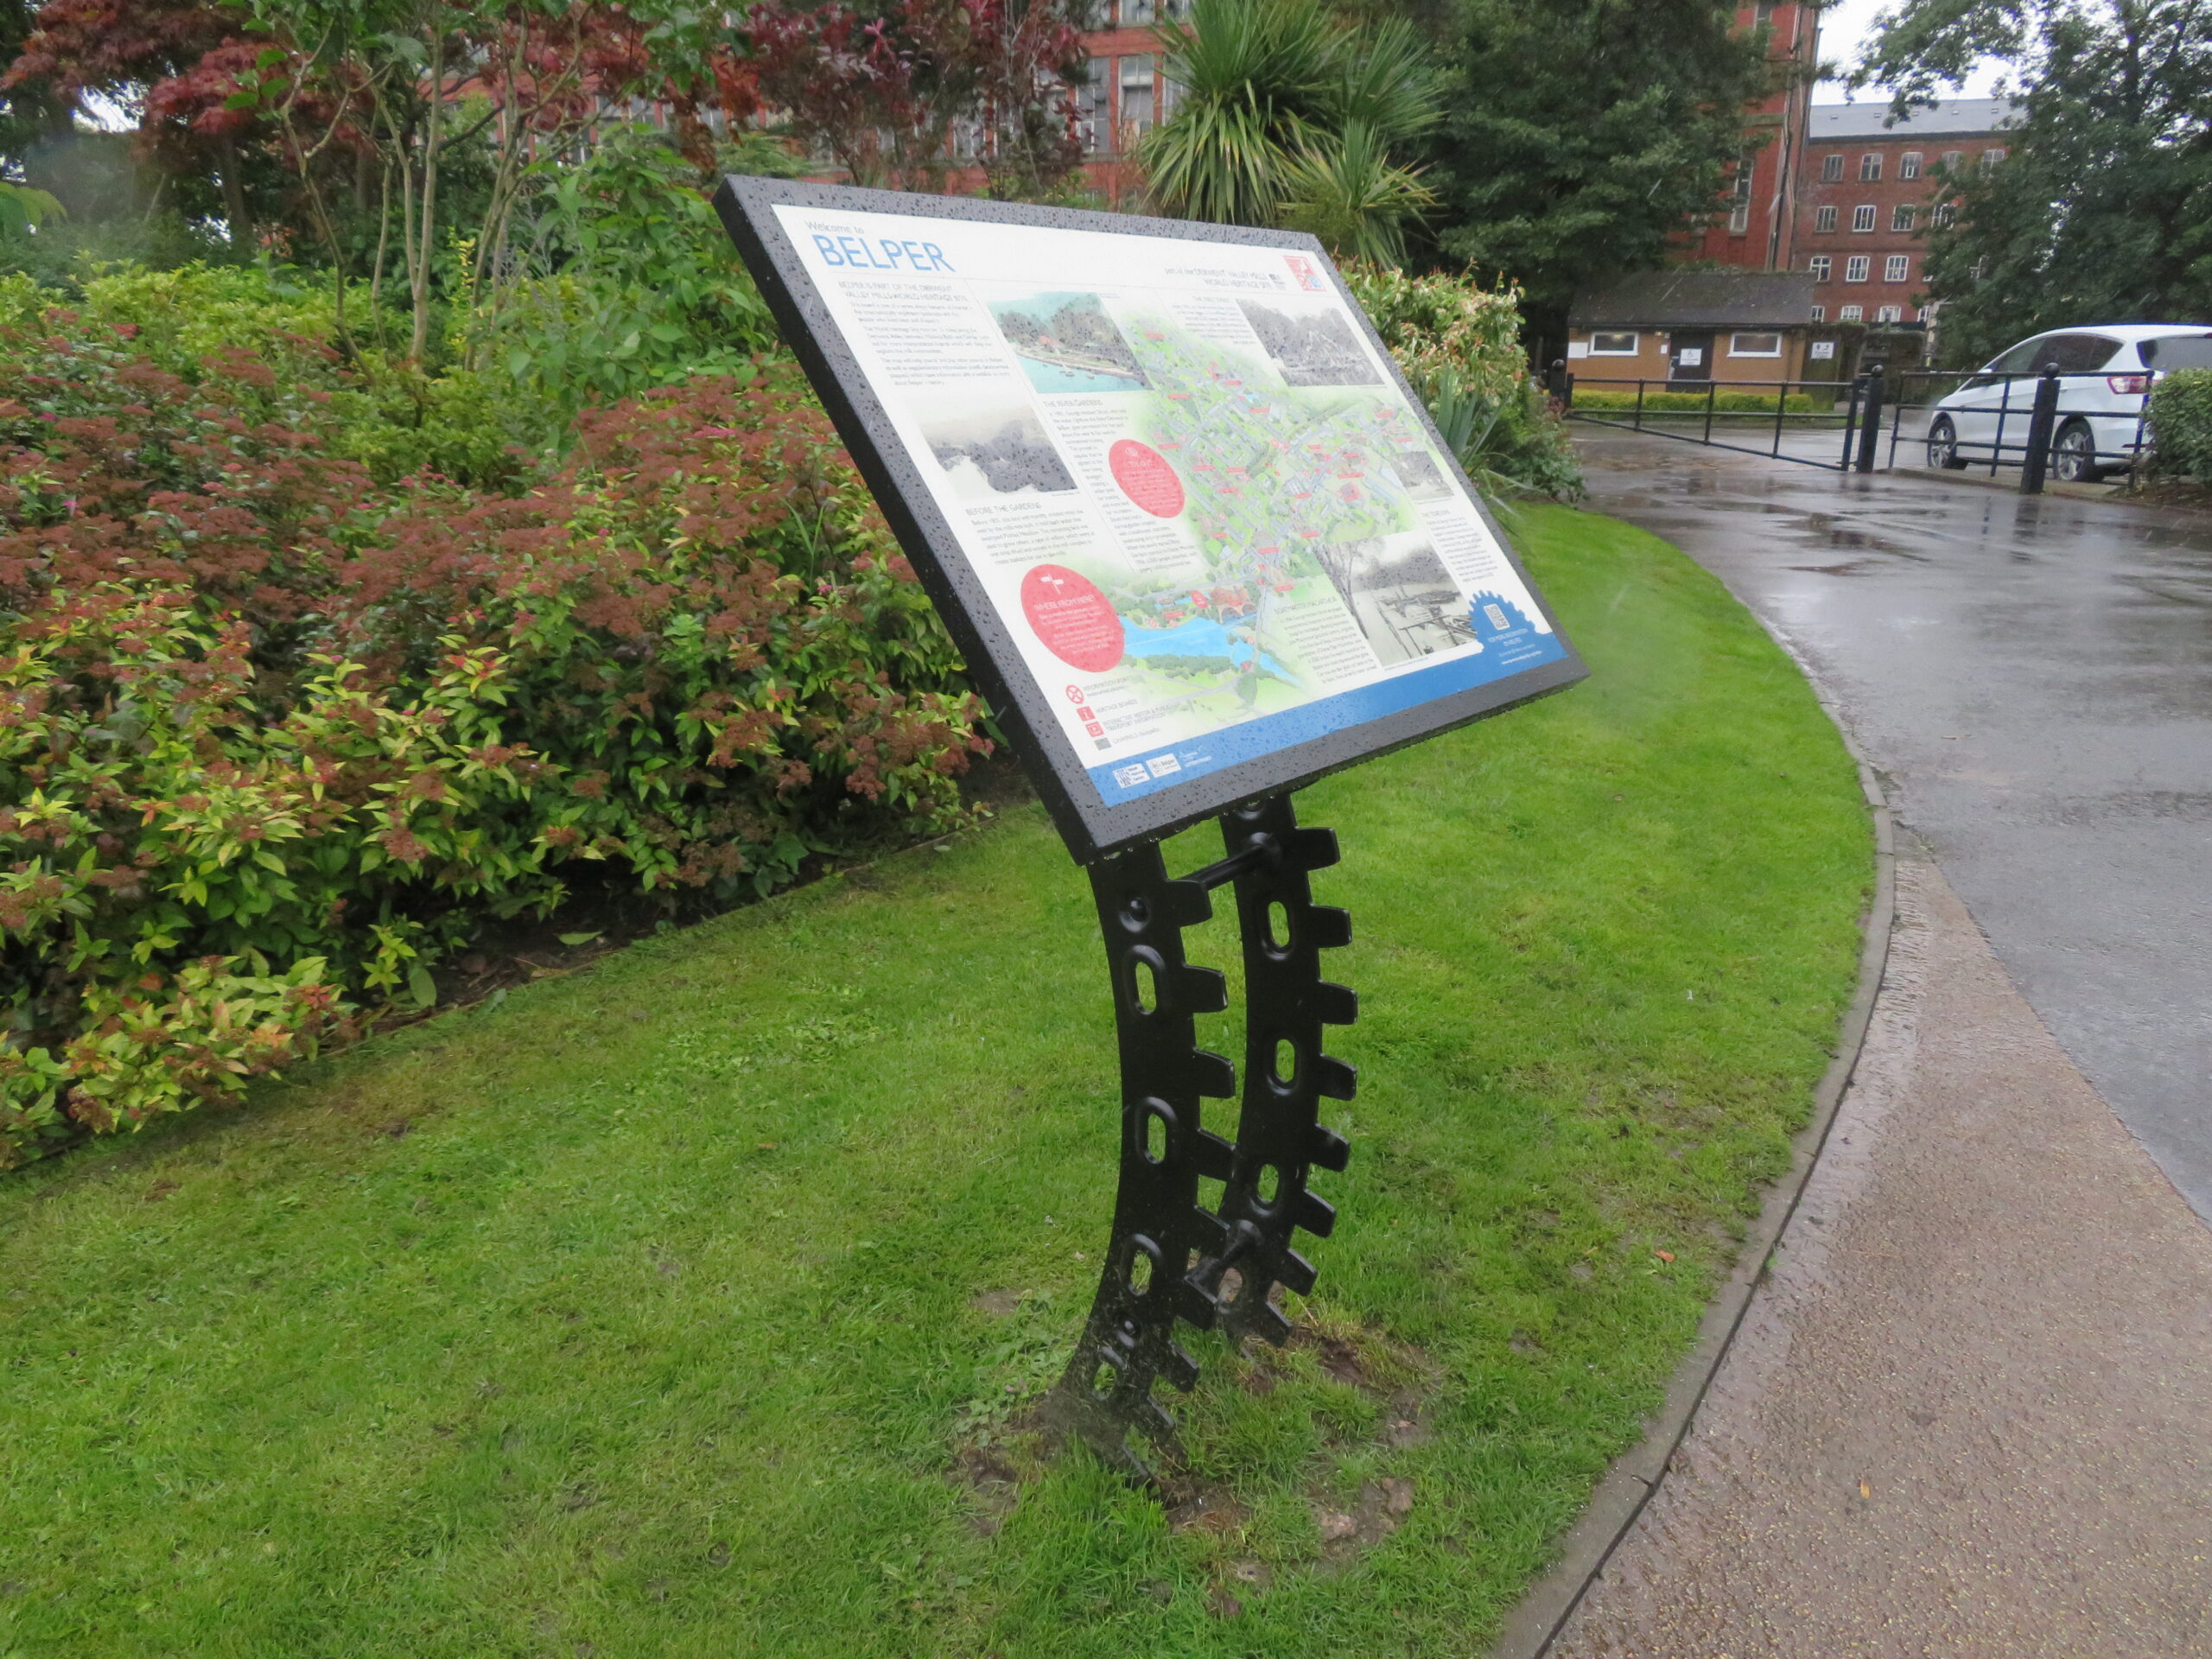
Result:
{"points": [[905, 98], [1287, 114], [174, 61], [2102, 209], [1584, 133]]}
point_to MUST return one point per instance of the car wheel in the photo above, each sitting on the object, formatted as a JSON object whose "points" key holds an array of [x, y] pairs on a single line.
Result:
{"points": [[1943, 446], [2074, 454]]}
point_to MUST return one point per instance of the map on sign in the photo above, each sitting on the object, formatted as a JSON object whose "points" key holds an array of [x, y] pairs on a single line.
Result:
{"points": [[1188, 484]]}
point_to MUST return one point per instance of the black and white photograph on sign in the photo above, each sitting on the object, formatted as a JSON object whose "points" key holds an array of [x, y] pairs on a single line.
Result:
{"points": [[1067, 343], [993, 451], [1311, 349], [1403, 599], [1417, 470]]}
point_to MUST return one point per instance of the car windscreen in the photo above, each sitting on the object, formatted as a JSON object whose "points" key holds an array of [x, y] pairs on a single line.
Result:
{"points": [[2177, 352]]}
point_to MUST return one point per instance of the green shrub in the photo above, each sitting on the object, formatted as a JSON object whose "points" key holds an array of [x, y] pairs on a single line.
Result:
{"points": [[632, 282], [274, 739], [1446, 330], [2181, 423], [395, 418], [1695, 402]]}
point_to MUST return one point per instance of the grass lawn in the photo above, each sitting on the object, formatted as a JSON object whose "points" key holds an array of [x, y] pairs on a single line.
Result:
{"points": [[692, 1304]]}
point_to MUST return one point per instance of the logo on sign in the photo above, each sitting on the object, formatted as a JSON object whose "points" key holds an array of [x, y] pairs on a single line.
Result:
{"points": [[1161, 765], [1303, 273], [1146, 478], [1074, 619], [1130, 776]]}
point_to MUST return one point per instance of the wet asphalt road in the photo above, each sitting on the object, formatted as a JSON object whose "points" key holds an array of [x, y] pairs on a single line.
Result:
{"points": [[2032, 677]]}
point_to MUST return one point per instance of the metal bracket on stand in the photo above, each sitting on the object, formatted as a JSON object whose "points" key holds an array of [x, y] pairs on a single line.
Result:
{"points": [[1171, 1257]]}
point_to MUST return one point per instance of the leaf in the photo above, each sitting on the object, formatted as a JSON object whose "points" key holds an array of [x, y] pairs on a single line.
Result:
{"points": [[421, 987], [576, 939]]}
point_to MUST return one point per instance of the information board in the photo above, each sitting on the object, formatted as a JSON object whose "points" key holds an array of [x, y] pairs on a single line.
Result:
{"points": [[1195, 537]]}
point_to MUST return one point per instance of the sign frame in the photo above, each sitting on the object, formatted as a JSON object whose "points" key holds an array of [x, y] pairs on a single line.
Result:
{"points": [[1092, 827]]}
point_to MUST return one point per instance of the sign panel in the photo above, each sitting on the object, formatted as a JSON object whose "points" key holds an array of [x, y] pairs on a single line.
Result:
{"points": [[1197, 538]]}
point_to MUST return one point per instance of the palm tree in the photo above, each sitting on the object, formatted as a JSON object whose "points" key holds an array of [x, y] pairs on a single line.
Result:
{"points": [[1285, 112], [1349, 194]]}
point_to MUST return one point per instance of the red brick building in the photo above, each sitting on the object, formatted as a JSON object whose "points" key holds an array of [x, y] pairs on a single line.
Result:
{"points": [[1872, 187], [1754, 228], [1123, 93]]}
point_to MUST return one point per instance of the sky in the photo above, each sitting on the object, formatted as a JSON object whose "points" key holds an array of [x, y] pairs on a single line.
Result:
{"points": [[1844, 27]]}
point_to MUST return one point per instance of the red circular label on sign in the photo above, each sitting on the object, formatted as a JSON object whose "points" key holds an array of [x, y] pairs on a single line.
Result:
{"points": [[1075, 620], [1146, 478]]}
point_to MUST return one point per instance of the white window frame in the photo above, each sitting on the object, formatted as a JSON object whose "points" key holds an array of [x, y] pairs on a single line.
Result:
{"points": [[1832, 167], [1952, 159], [1862, 219], [1824, 220], [1993, 159], [1819, 313], [1821, 266], [1870, 167], [1736, 345], [1908, 165], [1897, 267], [1135, 72], [1858, 268], [1946, 213], [1635, 343], [1852, 313], [1889, 314], [1903, 215]]}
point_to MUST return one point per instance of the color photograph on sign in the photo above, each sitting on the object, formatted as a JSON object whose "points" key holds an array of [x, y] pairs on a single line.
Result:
{"points": [[1193, 488]]}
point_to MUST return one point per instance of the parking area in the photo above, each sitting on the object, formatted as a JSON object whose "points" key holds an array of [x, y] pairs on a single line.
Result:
{"points": [[2032, 676]]}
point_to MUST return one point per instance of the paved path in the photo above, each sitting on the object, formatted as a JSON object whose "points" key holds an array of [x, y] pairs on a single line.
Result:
{"points": [[2033, 679], [1966, 1416]]}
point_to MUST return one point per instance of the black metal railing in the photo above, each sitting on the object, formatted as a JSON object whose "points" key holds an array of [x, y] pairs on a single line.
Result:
{"points": [[2078, 428], [1799, 421]]}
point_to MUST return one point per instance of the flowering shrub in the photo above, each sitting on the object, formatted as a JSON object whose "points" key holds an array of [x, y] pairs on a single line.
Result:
{"points": [[273, 738]]}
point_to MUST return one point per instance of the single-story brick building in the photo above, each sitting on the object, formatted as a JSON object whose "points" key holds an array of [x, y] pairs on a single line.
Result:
{"points": [[1695, 327]]}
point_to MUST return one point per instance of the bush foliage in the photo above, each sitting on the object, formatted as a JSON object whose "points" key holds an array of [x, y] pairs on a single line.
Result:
{"points": [[1696, 403], [1459, 346], [2181, 424], [274, 738]]}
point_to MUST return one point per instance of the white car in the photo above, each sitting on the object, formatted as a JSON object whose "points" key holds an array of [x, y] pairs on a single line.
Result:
{"points": [[2108, 372]]}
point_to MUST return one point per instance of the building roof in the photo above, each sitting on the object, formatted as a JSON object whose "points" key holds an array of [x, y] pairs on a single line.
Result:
{"points": [[1958, 118], [1698, 299]]}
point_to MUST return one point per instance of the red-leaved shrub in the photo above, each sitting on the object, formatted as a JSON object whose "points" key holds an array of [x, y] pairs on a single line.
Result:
{"points": [[273, 739]]}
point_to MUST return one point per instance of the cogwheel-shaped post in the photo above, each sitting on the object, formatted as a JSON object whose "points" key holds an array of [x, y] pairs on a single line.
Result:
{"points": [[1169, 1255]]}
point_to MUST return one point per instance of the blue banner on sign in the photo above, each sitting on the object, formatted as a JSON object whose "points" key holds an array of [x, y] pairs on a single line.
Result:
{"points": [[1506, 644]]}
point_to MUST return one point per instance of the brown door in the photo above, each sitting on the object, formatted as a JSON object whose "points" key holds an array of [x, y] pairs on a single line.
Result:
{"points": [[1690, 357]]}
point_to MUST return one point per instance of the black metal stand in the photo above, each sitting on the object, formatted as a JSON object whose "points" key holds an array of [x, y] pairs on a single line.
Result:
{"points": [[1171, 1257]]}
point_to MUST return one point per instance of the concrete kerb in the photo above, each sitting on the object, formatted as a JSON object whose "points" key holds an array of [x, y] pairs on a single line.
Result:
{"points": [[1531, 1628]]}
